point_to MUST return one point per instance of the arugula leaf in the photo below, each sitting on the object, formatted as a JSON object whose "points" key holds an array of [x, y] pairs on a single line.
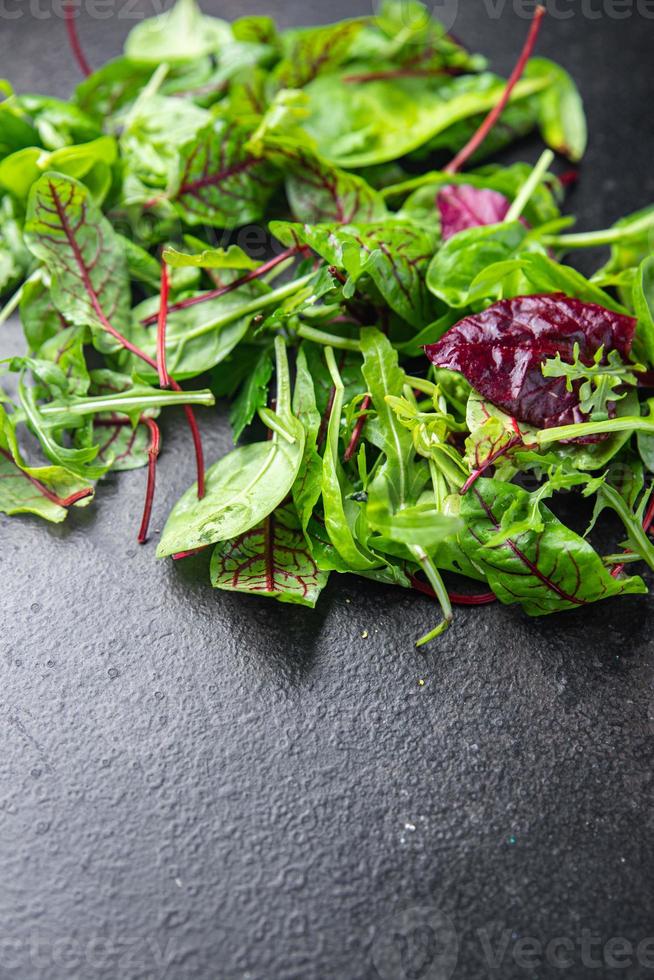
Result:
{"points": [[271, 559]]}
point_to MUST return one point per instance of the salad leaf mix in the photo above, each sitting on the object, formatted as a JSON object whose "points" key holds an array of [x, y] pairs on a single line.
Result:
{"points": [[416, 377]]}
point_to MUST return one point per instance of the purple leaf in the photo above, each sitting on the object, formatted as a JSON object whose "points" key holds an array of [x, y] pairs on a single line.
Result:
{"points": [[464, 206], [501, 351]]}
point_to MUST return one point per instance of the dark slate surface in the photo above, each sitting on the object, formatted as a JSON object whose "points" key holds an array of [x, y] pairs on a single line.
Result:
{"points": [[200, 785]]}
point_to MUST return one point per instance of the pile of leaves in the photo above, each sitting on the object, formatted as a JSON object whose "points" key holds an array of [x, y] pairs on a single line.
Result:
{"points": [[415, 376]]}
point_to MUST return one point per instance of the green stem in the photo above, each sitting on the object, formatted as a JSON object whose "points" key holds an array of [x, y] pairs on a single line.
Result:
{"points": [[254, 306], [437, 584], [421, 384], [529, 186], [564, 432], [272, 421], [637, 533], [327, 339], [283, 402], [123, 404], [593, 239]]}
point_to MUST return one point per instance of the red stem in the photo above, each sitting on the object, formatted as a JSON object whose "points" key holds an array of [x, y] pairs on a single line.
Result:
{"points": [[459, 600], [153, 455], [73, 38], [474, 476], [478, 138], [190, 553], [48, 494], [569, 177], [358, 429], [184, 304], [164, 378]]}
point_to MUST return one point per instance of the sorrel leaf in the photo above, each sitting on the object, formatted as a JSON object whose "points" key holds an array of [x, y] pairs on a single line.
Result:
{"points": [[271, 559], [39, 490], [82, 253], [501, 351], [544, 571], [220, 182]]}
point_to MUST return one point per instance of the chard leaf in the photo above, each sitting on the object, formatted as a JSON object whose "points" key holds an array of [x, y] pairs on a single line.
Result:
{"points": [[181, 34], [501, 351], [245, 486], [545, 571], [221, 183], [82, 253], [272, 559]]}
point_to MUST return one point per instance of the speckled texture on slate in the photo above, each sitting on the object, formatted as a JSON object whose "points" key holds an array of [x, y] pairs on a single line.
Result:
{"points": [[206, 786]]}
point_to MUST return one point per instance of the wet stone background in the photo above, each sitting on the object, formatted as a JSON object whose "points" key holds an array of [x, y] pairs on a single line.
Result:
{"points": [[203, 786]]}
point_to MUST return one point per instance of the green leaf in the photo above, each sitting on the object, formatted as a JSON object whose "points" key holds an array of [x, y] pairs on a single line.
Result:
{"points": [[313, 51], [319, 192], [83, 255], [252, 396], [561, 111], [643, 301], [232, 257], [26, 489], [90, 163], [456, 265], [545, 571], [307, 487], [394, 254], [181, 34], [245, 486], [271, 559], [363, 125], [219, 182]]}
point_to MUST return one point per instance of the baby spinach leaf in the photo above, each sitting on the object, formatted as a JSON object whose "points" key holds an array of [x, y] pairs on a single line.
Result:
{"points": [[272, 559], [545, 571], [243, 487], [363, 125], [181, 34], [561, 112], [456, 265]]}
